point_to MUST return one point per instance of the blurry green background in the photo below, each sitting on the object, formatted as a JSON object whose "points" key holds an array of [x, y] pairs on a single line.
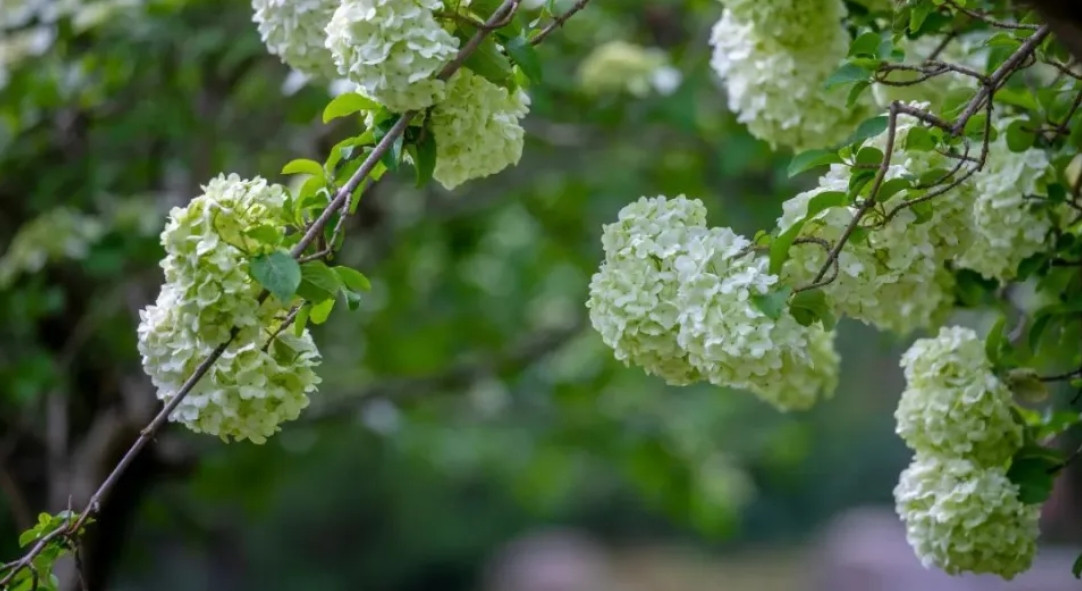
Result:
{"points": [[468, 402]]}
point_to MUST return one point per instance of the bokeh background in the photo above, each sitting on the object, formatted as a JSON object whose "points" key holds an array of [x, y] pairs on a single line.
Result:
{"points": [[472, 431]]}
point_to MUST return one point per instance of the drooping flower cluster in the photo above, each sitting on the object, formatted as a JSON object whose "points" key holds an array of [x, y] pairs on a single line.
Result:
{"points": [[678, 299], [295, 31], [773, 57], [961, 517], [477, 129], [619, 66], [960, 510], [954, 405], [259, 382], [392, 50], [1007, 225], [892, 275]]}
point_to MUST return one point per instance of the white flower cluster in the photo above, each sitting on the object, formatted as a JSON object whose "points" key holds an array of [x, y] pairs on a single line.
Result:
{"points": [[1008, 227], [961, 517], [257, 383], [960, 510], [954, 405], [392, 50], [619, 66], [678, 299], [773, 57], [295, 31], [893, 277], [477, 129]]}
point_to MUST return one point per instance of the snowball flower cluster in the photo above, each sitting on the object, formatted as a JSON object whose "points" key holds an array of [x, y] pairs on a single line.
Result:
{"points": [[392, 50], [477, 129], [678, 299], [962, 517], [619, 66], [773, 65], [295, 31], [954, 405], [258, 382], [1008, 228], [961, 511]]}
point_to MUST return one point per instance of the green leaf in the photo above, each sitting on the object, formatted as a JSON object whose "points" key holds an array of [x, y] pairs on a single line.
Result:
{"points": [[353, 300], [1034, 469], [867, 44], [303, 166], [810, 306], [301, 320], [779, 247], [993, 343], [279, 273], [919, 139], [846, 74], [855, 92], [892, 187], [322, 311], [353, 279], [1020, 136], [975, 126], [805, 161], [522, 51], [1076, 568], [487, 61], [1017, 97], [772, 304], [265, 234], [347, 104], [869, 156], [869, 128], [1026, 384], [424, 158], [318, 282]]}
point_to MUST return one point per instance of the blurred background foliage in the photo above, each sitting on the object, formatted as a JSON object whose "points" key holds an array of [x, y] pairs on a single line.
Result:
{"points": [[467, 401]]}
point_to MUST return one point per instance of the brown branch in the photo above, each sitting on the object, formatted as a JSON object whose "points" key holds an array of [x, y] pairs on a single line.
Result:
{"points": [[558, 22], [70, 529], [988, 19]]}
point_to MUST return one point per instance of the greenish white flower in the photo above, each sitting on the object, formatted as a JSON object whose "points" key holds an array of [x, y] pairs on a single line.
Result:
{"points": [[392, 50], [295, 31], [679, 300], [1008, 223], [477, 129], [774, 77], [954, 405], [961, 517], [619, 66], [259, 381]]}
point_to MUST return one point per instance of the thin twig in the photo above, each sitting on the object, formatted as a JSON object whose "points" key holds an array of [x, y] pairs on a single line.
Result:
{"points": [[69, 529], [558, 21], [987, 19]]}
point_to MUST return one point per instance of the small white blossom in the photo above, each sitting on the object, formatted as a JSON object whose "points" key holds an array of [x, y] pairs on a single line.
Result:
{"points": [[392, 50], [954, 405], [960, 517], [477, 129], [775, 82], [295, 31]]}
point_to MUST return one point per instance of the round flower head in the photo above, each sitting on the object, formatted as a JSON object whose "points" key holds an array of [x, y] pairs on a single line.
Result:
{"points": [[295, 31], [776, 88], [953, 404], [1008, 227], [797, 24], [259, 381], [392, 50], [619, 66], [633, 296], [477, 129], [960, 517], [735, 344], [255, 385]]}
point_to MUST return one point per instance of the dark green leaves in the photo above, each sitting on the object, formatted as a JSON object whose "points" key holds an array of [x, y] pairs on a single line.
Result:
{"points": [[279, 273], [424, 158], [318, 282], [772, 304], [810, 306], [522, 51], [353, 279], [1076, 568], [805, 161], [869, 128], [847, 74], [1020, 136], [1034, 470]]}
